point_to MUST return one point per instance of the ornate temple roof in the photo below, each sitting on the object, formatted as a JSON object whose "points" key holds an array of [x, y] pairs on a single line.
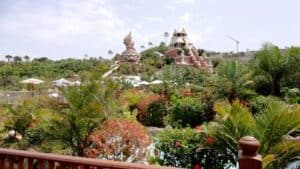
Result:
{"points": [[130, 54]]}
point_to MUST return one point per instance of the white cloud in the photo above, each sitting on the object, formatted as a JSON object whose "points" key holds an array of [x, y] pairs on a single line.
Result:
{"points": [[91, 26], [93, 21], [185, 1], [170, 7], [196, 36], [185, 18], [154, 19]]}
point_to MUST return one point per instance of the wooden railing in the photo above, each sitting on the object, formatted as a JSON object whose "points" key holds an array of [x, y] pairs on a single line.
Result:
{"points": [[248, 156], [17, 159]]}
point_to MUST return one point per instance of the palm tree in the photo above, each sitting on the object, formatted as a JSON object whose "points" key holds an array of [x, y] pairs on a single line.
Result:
{"points": [[110, 52], [292, 77], [150, 43], [234, 80], [27, 58], [271, 126], [17, 59], [8, 57], [142, 47], [88, 106], [166, 35], [269, 66]]}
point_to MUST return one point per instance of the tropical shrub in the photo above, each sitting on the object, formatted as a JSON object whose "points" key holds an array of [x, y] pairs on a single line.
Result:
{"points": [[291, 79], [151, 52], [184, 148], [155, 114], [150, 109], [164, 89], [186, 112], [88, 106], [269, 65], [270, 126], [292, 95], [234, 80], [258, 103], [169, 60], [35, 136], [184, 75], [19, 120], [177, 147], [119, 139], [128, 69], [130, 98]]}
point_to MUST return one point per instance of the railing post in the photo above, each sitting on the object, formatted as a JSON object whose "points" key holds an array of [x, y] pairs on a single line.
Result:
{"points": [[248, 156]]}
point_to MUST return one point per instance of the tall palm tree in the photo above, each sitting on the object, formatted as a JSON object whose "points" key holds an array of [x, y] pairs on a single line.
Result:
{"points": [[271, 127], [27, 58], [166, 35], [110, 52], [234, 80], [17, 59], [8, 57], [88, 106], [269, 66], [142, 47], [150, 43]]}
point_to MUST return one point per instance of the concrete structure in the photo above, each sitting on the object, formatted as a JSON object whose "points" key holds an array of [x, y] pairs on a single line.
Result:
{"points": [[184, 53]]}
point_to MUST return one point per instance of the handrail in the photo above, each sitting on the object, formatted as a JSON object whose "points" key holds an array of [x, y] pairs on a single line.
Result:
{"points": [[248, 154], [248, 159], [7, 154]]}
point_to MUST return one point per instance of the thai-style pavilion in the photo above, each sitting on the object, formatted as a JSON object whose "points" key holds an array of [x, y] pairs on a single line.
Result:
{"points": [[183, 51]]}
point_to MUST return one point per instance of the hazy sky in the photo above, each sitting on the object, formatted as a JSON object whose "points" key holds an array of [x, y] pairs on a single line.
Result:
{"points": [[73, 28]]}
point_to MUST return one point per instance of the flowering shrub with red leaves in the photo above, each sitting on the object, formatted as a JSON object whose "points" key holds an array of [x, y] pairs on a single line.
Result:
{"points": [[197, 166], [209, 140], [119, 139], [198, 128]]}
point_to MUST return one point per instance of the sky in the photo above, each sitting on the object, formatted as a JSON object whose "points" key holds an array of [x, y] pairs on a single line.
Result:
{"points": [[60, 29]]}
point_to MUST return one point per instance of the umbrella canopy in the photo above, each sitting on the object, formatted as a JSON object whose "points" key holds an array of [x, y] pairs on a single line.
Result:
{"points": [[62, 82], [156, 82], [32, 81]]}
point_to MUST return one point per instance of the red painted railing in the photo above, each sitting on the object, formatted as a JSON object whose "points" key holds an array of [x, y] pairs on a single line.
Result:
{"points": [[248, 156], [17, 159]]}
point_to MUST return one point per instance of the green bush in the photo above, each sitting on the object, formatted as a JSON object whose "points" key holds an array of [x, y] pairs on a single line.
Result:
{"points": [[257, 104], [186, 112], [292, 95], [260, 103], [155, 114], [164, 89], [19, 121], [35, 135], [169, 60], [186, 148], [177, 147], [128, 69]]}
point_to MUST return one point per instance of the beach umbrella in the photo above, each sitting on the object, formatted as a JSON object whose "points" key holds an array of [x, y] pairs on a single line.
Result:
{"points": [[32, 81], [62, 82]]}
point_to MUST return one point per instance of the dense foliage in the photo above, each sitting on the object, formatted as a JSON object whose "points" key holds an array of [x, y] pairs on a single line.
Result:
{"points": [[195, 117], [271, 126], [12, 72], [186, 112], [186, 148]]}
